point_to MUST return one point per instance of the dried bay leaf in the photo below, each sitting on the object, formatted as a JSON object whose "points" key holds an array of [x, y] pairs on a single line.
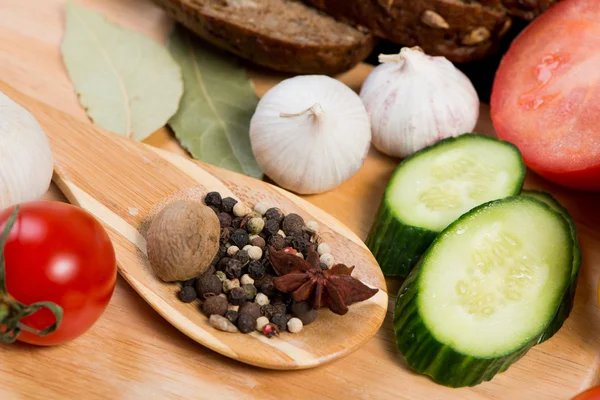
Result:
{"points": [[129, 84], [218, 102]]}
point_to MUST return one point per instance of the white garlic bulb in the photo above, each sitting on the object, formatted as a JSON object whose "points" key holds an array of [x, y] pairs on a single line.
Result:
{"points": [[26, 163], [310, 133], [415, 100]]}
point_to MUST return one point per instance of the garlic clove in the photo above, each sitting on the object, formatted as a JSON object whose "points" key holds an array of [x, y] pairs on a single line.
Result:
{"points": [[414, 100], [310, 133]]}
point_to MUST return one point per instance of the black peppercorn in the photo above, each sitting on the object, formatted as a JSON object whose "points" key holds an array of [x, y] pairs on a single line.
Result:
{"points": [[232, 316], [266, 286], [221, 253], [303, 311], [256, 270], [277, 241], [278, 298], [251, 309], [292, 223], [240, 238], [246, 323], [299, 243], [222, 265], [280, 320], [224, 220], [271, 227], [187, 294], [224, 237], [213, 199], [250, 290], [215, 209], [208, 285], [215, 305], [210, 271], [237, 296], [242, 256], [236, 222], [274, 213], [189, 282], [258, 241], [269, 310], [227, 203], [233, 269]]}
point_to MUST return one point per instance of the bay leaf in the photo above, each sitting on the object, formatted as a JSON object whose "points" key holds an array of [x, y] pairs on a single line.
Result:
{"points": [[213, 120], [128, 83]]}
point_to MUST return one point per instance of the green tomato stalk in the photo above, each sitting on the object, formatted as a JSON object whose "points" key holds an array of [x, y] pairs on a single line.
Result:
{"points": [[12, 311]]}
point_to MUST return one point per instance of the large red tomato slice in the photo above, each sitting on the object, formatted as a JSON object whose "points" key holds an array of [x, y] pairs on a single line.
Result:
{"points": [[59, 253], [546, 94]]}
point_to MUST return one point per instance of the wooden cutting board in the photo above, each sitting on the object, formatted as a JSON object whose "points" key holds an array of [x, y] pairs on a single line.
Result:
{"points": [[133, 353]]}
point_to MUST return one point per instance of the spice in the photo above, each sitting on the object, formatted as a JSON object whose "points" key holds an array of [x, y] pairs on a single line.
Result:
{"points": [[187, 294], [261, 207], [303, 311], [256, 270], [221, 323], [232, 316], [271, 227], [323, 248], [221, 265], [224, 237], [246, 280], [237, 296], [294, 325], [240, 238], [255, 225], [215, 209], [261, 322], [266, 285], [232, 250], [280, 320], [327, 259], [247, 247], [292, 223], [255, 253], [240, 209], [208, 285], [312, 227], [258, 242], [236, 222], [251, 309], [221, 275], [214, 305], [189, 282], [224, 219], [277, 242], [246, 323], [232, 307], [299, 255], [261, 299], [270, 330], [274, 213], [281, 233], [228, 203], [234, 268], [213, 199], [229, 284], [250, 290], [334, 288]]}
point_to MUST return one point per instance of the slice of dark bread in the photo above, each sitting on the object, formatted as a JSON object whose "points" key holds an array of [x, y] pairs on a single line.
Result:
{"points": [[283, 35]]}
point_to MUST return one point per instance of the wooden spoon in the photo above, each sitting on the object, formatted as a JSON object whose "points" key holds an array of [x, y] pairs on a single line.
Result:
{"points": [[124, 184]]}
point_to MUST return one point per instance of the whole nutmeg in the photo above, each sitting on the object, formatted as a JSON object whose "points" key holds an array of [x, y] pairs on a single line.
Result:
{"points": [[215, 305], [182, 240]]}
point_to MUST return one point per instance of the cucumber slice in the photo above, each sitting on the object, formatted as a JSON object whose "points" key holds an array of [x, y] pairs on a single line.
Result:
{"points": [[567, 304], [485, 291], [434, 187]]}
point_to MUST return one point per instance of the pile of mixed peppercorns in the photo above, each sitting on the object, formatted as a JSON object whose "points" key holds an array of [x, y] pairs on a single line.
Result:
{"points": [[237, 291]]}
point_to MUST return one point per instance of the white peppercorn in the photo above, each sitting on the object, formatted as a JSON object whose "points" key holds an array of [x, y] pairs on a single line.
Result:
{"points": [[312, 227], [255, 253], [232, 307], [221, 275], [261, 207], [255, 225], [298, 254], [281, 233], [261, 299], [240, 209], [232, 250], [327, 259], [323, 248], [246, 280], [247, 247], [294, 325], [261, 322], [229, 284]]}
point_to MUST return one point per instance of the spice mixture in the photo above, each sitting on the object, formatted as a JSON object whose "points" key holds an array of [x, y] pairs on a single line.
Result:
{"points": [[271, 272]]}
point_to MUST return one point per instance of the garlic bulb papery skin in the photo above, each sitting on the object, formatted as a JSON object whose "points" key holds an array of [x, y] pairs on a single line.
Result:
{"points": [[415, 100], [310, 133], [26, 163]]}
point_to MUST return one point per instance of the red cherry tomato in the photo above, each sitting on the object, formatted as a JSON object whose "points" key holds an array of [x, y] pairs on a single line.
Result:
{"points": [[59, 253], [590, 394], [546, 94]]}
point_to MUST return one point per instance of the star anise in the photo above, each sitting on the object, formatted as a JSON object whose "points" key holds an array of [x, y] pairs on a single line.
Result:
{"points": [[334, 288]]}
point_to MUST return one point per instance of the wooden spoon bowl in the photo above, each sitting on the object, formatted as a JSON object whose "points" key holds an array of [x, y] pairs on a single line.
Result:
{"points": [[124, 184]]}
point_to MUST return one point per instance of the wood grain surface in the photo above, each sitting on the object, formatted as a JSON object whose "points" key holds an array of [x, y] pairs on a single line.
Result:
{"points": [[133, 353]]}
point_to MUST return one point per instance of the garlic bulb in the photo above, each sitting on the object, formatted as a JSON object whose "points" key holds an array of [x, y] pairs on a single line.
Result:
{"points": [[310, 133], [25, 157], [415, 100]]}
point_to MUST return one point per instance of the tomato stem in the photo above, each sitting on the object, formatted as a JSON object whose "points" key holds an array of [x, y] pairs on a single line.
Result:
{"points": [[12, 311]]}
